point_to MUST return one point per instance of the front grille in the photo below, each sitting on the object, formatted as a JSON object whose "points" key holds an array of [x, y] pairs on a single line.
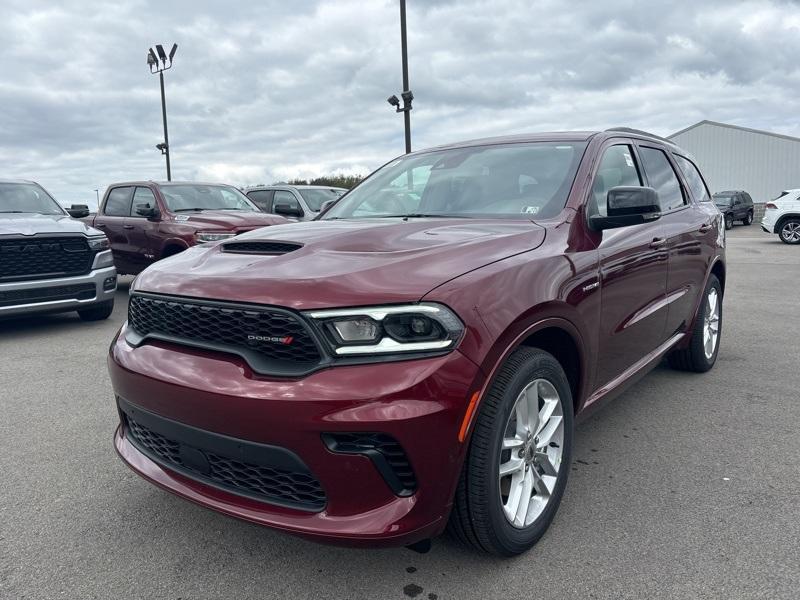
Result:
{"points": [[43, 258], [82, 291], [269, 248], [258, 334], [272, 484], [385, 451]]}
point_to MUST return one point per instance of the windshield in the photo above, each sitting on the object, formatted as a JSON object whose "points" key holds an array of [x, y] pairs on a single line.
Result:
{"points": [[511, 180], [723, 200], [27, 198], [314, 197], [189, 197]]}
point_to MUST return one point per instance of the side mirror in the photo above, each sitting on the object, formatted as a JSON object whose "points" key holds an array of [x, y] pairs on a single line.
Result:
{"points": [[327, 204], [287, 209], [628, 206], [77, 211], [145, 210]]}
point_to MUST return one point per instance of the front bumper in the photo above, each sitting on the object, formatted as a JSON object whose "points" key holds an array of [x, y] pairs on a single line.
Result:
{"points": [[74, 296], [419, 403]]}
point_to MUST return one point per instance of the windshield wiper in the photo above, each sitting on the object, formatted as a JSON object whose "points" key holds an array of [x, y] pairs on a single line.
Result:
{"points": [[198, 209], [21, 212]]}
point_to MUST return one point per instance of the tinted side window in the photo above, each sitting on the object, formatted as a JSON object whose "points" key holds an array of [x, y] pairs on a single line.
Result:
{"points": [[288, 197], [142, 195], [617, 168], [662, 178], [693, 179], [118, 203], [262, 199]]}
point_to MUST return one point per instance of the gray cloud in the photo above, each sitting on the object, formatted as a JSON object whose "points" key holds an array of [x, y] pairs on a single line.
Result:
{"points": [[270, 90]]}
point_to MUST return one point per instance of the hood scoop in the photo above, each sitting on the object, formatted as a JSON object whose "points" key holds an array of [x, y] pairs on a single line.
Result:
{"points": [[260, 247]]}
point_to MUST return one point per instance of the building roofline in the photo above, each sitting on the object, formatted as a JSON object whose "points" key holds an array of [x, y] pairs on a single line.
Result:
{"points": [[737, 127]]}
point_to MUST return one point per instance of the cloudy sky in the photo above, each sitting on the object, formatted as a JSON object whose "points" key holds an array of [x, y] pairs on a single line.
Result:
{"points": [[264, 91]]}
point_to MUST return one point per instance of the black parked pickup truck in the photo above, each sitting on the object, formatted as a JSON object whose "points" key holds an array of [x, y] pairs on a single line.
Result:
{"points": [[50, 262]]}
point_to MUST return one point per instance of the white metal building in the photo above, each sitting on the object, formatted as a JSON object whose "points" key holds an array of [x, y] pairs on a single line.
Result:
{"points": [[738, 158]]}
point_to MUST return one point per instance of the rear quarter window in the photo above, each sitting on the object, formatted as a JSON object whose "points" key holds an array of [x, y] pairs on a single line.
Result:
{"points": [[694, 179]]}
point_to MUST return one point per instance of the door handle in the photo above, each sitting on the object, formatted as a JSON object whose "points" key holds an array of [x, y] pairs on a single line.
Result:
{"points": [[100, 225], [658, 242], [705, 228], [127, 226]]}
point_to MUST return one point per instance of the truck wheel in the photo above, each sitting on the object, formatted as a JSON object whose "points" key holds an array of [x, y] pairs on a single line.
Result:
{"points": [[728, 221], [703, 348], [790, 231], [518, 459], [98, 312], [748, 220]]}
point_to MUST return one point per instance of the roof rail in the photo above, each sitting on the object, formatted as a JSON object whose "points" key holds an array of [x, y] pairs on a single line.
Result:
{"points": [[639, 132]]}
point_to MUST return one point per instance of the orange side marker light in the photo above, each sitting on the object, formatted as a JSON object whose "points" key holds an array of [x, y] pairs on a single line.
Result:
{"points": [[473, 404]]}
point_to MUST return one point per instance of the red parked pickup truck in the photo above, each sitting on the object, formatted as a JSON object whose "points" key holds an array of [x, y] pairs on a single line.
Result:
{"points": [[147, 220]]}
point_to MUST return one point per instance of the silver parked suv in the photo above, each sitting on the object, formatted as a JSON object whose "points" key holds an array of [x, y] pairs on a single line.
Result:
{"points": [[50, 262], [295, 202]]}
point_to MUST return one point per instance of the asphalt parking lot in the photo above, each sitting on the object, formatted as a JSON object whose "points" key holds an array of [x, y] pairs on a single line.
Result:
{"points": [[688, 486]]}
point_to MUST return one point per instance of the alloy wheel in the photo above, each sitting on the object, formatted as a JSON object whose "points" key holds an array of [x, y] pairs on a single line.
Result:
{"points": [[711, 324], [530, 458], [791, 232]]}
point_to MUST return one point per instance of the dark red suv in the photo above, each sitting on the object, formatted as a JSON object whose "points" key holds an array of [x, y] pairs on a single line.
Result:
{"points": [[417, 356]]}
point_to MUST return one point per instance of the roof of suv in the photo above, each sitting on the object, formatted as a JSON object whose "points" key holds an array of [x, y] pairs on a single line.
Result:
{"points": [[16, 181], [289, 185], [558, 136]]}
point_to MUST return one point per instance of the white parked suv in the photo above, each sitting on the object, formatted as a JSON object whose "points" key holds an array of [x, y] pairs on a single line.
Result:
{"points": [[782, 216]]}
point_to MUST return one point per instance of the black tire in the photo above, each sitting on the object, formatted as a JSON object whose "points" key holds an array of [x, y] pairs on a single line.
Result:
{"points": [[748, 220], [98, 312], [693, 358], [787, 231], [477, 518], [728, 221]]}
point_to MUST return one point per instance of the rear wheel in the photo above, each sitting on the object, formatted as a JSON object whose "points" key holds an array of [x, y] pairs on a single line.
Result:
{"points": [[789, 231], [748, 220], [98, 312], [701, 353], [518, 460]]}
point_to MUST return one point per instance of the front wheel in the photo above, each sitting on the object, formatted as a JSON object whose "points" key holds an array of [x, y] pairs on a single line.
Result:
{"points": [[518, 459], [728, 221], [790, 231], [98, 312], [701, 354]]}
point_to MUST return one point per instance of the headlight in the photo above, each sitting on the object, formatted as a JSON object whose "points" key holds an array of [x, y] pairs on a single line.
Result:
{"points": [[389, 329], [99, 243], [202, 237]]}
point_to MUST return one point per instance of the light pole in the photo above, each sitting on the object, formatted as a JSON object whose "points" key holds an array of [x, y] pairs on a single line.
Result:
{"points": [[97, 193], [406, 94], [166, 63]]}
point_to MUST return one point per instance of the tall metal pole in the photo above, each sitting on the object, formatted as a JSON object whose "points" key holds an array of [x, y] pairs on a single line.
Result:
{"points": [[404, 44], [164, 116]]}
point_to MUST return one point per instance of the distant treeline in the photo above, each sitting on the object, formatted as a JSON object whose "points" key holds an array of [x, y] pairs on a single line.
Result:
{"points": [[342, 181]]}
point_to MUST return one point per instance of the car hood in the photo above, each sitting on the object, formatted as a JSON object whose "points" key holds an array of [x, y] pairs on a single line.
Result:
{"points": [[343, 263], [228, 219], [34, 223]]}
